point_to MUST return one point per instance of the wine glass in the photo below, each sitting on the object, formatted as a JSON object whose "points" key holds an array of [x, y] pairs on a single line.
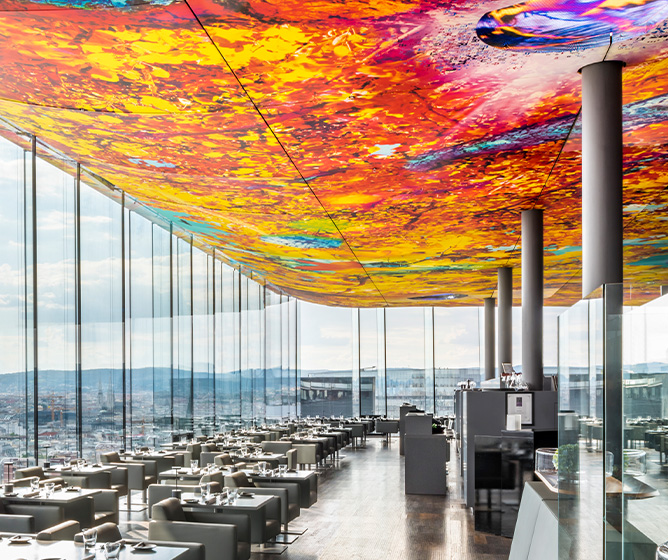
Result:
{"points": [[34, 483]]}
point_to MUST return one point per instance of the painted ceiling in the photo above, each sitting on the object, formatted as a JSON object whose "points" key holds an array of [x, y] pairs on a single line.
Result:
{"points": [[356, 153]]}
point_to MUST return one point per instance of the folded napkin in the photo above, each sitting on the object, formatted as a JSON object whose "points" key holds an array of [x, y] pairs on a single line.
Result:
{"points": [[31, 494], [58, 487], [97, 464], [64, 468], [144, 544], [19, 538], [211, 500]]}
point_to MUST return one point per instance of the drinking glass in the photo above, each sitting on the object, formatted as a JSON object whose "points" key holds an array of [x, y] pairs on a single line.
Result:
{"points": [[90, 538], [193, 464], [282, 469], [203, 488], [49, 486], [34, 483], [112, 549], [233, 496]]}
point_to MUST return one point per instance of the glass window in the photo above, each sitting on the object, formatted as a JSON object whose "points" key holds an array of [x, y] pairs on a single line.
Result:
{"points": [[405, 358], [456, 352], [56, 327], [182, 340], [162, 334], [273, 389], [326, 358], [16, 346], [101, 322], [203, 341], [228, 388]]}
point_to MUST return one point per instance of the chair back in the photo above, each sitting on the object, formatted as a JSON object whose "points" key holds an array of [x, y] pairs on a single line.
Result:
{"points": [[238, 480], [168, 509], [212, 477], [223, 460], [110, 457], [29, 472], [276, 446]]}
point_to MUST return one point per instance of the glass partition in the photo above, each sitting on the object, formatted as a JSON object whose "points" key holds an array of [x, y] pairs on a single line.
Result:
{"points": [[611, 480], [579, 460], [645, 429]]}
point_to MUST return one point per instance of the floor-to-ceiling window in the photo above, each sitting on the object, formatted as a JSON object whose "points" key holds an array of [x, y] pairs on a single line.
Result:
{"points": [[202, 293], [100, 239], [56, 313], [16, 352], [326, 360]]}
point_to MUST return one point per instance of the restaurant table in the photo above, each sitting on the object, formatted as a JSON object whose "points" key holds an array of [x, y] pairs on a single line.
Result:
{"points": [[186, 474], [272, 459], [252, 505], [307, 481], [68, 499], [97, 476], [69, 550], [162, 459]]}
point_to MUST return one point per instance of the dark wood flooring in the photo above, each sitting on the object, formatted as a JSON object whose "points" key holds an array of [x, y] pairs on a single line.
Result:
{"points": [[362, 513]]}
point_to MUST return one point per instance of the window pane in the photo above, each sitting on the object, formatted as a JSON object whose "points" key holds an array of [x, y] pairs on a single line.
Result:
{"points": [[101, 323], [56, 328], [405, 358], [326, 356]]}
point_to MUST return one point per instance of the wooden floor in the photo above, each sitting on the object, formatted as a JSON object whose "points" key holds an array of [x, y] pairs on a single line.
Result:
{"points": [[362, 513]]}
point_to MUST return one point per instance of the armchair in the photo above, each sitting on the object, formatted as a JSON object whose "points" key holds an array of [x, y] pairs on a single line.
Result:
{"points": [[225, 460], [105, 505], [287, 493], [307, 454], [223, 535], [108, 532], [20, 518], [141, 474], [22, 477]]}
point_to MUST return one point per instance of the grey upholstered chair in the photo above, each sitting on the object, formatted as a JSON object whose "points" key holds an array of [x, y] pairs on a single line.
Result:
{"points": [[223, 535], [141, 474], [287, 492], [22, 477], [28, 518], [109, 532], [105, 504]]}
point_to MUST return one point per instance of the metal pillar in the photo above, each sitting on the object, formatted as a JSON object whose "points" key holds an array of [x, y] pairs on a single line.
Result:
{"points": [[532, 298], [664, 290], [490, 354], [601, 175], [505, 315], [602, 256]]}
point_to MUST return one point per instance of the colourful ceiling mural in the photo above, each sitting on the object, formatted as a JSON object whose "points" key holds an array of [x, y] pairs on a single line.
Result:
{"points": [[357, 153]]}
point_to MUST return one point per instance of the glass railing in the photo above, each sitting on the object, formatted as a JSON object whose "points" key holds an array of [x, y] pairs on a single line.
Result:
{"points": [[612, 470]]}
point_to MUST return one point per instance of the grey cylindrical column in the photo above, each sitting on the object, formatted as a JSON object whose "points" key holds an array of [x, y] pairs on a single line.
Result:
{"points": [[532, 298], [664, 290], [490, 354], [602, 233], [505, 315]]}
